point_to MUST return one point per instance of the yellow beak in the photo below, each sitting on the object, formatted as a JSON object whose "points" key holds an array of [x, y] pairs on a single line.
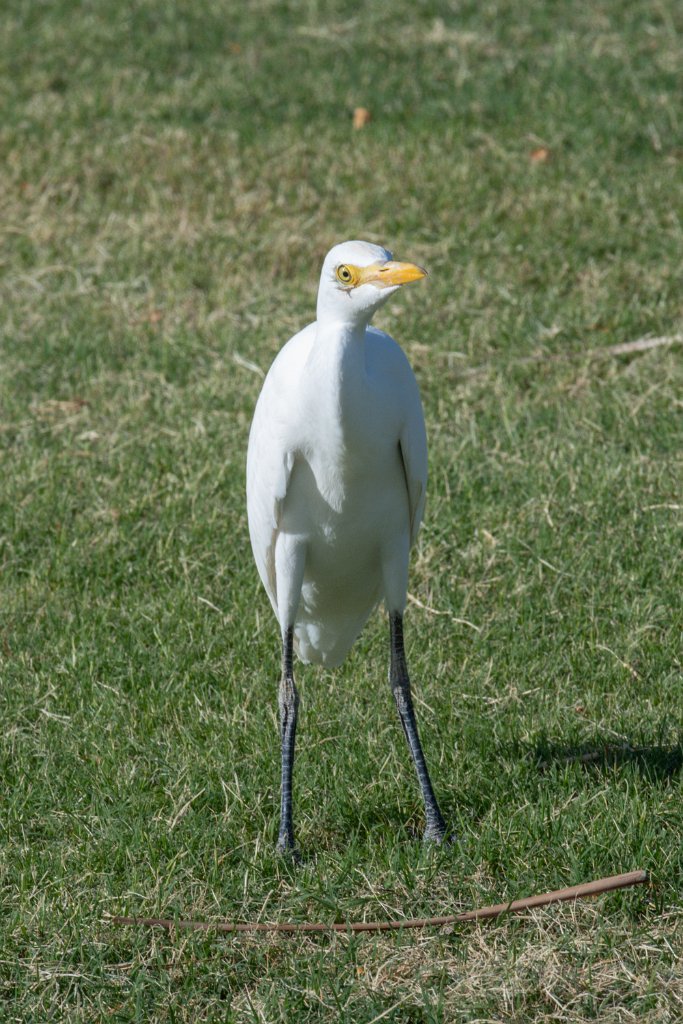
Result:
{"points": [[390, 274]]}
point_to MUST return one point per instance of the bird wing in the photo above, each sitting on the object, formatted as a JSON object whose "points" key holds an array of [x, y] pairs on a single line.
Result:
{"points": [[271, 454], [412, 439], [416, 479], [413, 448]]}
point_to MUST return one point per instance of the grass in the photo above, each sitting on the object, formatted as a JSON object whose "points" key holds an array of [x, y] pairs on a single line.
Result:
{"points": [[172, 175]]}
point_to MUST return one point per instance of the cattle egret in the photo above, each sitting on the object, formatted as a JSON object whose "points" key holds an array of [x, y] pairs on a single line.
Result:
{"points": [[336, 479]]}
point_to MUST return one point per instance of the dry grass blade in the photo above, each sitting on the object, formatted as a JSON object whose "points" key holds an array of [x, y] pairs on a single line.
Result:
{"points": [[436, 611], [639, 345], [624, 348]]}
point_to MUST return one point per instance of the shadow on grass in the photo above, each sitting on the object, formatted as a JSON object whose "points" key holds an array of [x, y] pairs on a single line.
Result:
{"points": [[658, 763]]}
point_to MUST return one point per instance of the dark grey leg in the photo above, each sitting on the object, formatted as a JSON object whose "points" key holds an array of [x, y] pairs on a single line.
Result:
{"points": [[400, 686], [288, 700]]}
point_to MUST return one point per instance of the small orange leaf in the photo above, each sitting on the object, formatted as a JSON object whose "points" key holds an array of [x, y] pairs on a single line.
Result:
{"points": [[361, 117], [540, 155]]}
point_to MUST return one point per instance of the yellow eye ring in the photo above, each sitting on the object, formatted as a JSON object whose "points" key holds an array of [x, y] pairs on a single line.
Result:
{"points": [[344, 274]]}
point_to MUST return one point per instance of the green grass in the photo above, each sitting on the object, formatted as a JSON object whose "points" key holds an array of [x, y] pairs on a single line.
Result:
{"points": [[172, 175]]}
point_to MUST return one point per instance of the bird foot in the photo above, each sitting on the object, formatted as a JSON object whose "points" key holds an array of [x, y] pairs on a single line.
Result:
{"points": [[286, 847], [436, 832]]}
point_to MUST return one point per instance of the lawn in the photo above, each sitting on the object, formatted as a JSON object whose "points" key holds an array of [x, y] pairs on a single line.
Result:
{"points": [[172, 175]]}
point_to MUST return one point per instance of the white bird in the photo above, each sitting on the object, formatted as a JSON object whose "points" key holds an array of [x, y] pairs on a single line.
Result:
{"points": [[336, 479]]}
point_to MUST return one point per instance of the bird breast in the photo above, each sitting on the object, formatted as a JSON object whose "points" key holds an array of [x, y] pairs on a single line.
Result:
{"points": [[349, 430]]}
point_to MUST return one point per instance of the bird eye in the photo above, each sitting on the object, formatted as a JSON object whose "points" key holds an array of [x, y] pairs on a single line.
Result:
{"points": [[344, 274]]}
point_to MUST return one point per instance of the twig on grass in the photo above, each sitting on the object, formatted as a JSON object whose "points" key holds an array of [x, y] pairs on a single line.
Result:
{"points": [[574, 892]]}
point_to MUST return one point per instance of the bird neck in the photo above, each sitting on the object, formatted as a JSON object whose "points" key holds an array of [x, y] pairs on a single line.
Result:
{"points": [[339, 348], [337, 362]]}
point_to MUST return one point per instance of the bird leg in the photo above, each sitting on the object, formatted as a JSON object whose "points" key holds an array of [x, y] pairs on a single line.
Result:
{"points": [[400, 686], [288, 701]]}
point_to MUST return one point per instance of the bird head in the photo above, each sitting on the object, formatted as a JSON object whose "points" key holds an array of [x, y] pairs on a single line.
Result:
{"points": [[357, 278]]}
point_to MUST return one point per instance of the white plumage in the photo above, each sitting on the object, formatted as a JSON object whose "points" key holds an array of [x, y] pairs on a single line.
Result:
{"points": [[337, 467]]}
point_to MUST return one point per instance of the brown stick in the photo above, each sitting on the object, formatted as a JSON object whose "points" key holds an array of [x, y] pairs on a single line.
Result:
{"points": [[574, 892]]}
